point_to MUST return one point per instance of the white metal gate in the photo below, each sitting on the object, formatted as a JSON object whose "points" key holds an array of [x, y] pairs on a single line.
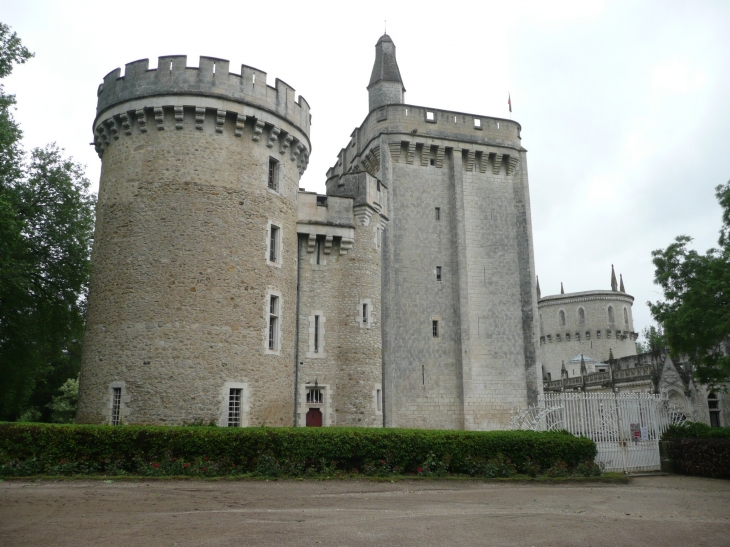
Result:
{"points": [[626, 427]]}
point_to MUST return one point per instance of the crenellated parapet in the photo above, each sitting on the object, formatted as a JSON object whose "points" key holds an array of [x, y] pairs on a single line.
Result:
{"points": [[175, 97], [211, 79], [422, 137]]}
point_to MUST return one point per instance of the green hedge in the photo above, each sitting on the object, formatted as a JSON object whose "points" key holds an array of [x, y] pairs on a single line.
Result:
{"points": [[696, 429], [697, 449], [703, 457], [38, 449]]}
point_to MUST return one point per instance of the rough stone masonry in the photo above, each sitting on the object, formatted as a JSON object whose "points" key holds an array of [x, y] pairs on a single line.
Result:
{"points": [[223, 293]]}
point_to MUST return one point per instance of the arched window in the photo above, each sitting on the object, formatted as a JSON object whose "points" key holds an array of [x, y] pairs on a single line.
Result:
{"points": [[562, 318], [626, 317], [713, 405], [582, 316], [610, 314]]}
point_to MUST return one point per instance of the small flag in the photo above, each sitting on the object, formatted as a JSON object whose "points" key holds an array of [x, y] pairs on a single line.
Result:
{"points": [[509, 102]]}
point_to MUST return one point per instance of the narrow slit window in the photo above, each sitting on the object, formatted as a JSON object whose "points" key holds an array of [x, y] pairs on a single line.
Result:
{"points": [[379, 400], [438, 213], [438, 273], [365, 313], [234, 407], [435, 328], [274, 244], [116, 405], [316, 334], [318, 250], [273, 175], [273, 322]]}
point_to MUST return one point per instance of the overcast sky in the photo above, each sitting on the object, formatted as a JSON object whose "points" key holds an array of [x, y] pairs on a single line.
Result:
{"points": [[624, 106]]}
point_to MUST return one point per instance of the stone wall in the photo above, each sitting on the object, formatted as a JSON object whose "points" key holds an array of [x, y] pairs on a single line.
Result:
{"points": [[336, 280], [178, 300]]}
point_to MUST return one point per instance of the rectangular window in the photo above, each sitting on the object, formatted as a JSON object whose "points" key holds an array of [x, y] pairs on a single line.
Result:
{"points": [[438, 273], [438, 213], [273, 322], [477, 123], [274, 243], [550, 377], [598, 334], [116, 405], [234, 407], [316, 334], [435, 328], [379, 400], [364, 313], [314, 396], [429, 116], [273, 174]]}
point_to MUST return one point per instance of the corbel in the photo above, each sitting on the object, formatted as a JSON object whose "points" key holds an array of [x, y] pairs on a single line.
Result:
{"points": [[141, 120], [497, 163], [220, 119], [160, 118], [273, 136], [199, 117], [328, 244], [240, 122], [178, 117], [124, 118], [257, 130], [285, 143]]}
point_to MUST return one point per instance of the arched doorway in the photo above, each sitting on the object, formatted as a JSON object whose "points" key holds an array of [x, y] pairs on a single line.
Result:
{"points": [[314, 417]]}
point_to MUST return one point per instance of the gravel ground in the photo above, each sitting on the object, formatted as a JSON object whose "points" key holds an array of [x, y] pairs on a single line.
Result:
{"points": [[662, 511]]}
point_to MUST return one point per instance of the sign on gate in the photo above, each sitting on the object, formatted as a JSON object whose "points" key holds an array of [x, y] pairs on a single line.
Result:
{"points": [[626, 427]]}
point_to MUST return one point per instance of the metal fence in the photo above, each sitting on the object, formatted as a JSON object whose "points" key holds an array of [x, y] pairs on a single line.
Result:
{"points": [[626, 427]]}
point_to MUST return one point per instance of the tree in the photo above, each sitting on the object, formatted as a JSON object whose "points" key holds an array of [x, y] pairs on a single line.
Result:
{"points": [[46, 227], [695, 313], [654, 340]]}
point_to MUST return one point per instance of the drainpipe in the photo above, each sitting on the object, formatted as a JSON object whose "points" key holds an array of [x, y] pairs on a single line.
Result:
{"points": [[296, 334]]}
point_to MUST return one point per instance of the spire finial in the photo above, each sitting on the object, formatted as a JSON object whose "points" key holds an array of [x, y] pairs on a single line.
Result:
{"points": [[538, 286], [621, 286], [562, 291], [614, 285], [385, 29], [583, 369]]}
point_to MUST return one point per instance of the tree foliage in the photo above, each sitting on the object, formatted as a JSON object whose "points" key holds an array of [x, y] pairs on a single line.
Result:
{"points": [[695, 313], [46, 227]]}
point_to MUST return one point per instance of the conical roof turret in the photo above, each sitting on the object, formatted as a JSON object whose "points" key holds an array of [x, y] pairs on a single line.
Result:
{"points": [[385, 67], [386, 84]]}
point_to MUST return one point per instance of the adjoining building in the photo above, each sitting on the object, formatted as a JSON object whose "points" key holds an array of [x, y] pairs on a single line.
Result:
{"points": [[588, 344], [589, 323], [222, 292]]}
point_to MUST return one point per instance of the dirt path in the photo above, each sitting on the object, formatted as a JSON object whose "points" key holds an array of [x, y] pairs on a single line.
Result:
{"points": [[662, 511]]}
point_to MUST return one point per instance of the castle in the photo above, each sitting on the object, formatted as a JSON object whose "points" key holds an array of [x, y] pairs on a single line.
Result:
{"points": [[222, 292]]}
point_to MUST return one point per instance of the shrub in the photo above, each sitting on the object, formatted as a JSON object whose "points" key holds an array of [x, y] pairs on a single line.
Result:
{"points": [[696, 429], [34, 449], [704, 457], [695, 448]]}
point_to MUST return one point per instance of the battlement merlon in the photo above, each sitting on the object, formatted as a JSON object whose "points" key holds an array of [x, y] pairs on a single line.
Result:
{"points": [[212, 78], [420, 125]]}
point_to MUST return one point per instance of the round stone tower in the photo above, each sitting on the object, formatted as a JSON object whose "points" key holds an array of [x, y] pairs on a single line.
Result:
{"points": [[191, 315]]}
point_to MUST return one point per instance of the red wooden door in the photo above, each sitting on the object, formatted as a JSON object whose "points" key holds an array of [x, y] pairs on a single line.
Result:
{"points": [[314, 417]]}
